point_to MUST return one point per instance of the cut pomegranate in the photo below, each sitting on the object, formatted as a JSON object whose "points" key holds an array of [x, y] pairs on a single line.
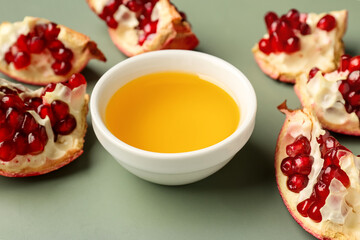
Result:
{"points": [[320, 185], [53, 57], [334, 97], [296, 42], [42, 130], [137, 26]]}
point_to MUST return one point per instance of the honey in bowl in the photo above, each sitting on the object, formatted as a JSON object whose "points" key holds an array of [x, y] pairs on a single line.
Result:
{"points": [[171, 112]]}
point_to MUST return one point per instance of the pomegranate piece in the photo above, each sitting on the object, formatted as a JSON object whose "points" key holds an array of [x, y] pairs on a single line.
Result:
{"points": [[66, 53], [320, 185], [340, 111], [42, 130], [292, 46], [153, 25]]}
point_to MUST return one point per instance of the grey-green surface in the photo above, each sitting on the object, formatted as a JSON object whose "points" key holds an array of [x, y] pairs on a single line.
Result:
{"points": [[95, 198]]}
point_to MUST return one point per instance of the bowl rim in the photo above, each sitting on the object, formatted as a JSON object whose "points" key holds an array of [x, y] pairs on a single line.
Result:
{"points": [[97, 120]]}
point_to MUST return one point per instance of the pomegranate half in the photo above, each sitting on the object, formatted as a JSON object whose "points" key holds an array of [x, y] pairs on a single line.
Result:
{"points": [[41, 130], [317, 177], [335, 96], [137, 26], [37, 51], [296, 42]]}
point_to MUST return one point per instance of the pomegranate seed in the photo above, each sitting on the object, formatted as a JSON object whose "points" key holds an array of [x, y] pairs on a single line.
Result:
{"points": [[55, 45], [35, 145], [274, 26], [14, 118], [42, 134], [9, 57], [342, 177], [21, 143], [60, 109], [45, 110], [7, 151], [304, 206], [321, 190], [344, 88], [21, 60], [143, 21], [327, 23], [32, 103], [275, 42], [354, 63], [112, 6], [270, 17], [76, 80], [111, 22], [150, 27], [284, 30], [134, 5], [354, 99], [65, 126], [328, 174], [61, 67], [7, 90], [51, 31], [49, 88], [287, 166], [301, 145], [304, 29], [314, 212], [294, 17], [142, 39], [264, 46], [6, 132], [354, 80], [292, 45], [2, 116], [29, 124], [303, 164], [22, 43], [62, 54], [11, 100], [36, 44], [313, 72], [344, 63], [39, 30], [297, 182]]}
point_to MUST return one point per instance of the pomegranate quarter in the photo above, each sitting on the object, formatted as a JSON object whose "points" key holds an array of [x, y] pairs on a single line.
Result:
{"points": [[295, 42], [37, 51], [137, 26], [317, 177], [42, 130]]}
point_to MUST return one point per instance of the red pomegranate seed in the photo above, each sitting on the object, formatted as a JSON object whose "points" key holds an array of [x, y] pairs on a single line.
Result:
{"points": [[150, 27], [21, 60], [314, 212], [21, 143], [301, 145], [60, 109], [45, 110], [6, 132], [303, 164], [61, 67], [344, 88], [294, 17], [344, 63], [148, 8], [143, 21], [303, 207], [51, 31], [354, 80], [35, 145], [328, 174], [62, 54], [11, 100], [327, 23], [354, 63], [42, 134], [270, 17], [274, 26], [321, 190], [36, 44], [292, 45], [7, 151], [9, 57], [2, 116], [304, 29], [313, 72], [22, 43], [29, 124], [297, 182], [49, 88], [76, 80], [287, 166], [111, 22], [32, 103], [354, 99], [7, 90], [112, 6], [134, 5], [14, 118], [65, 126], [285, 30], [54, 45], [264, 46], [39, 30], [276, 44]]}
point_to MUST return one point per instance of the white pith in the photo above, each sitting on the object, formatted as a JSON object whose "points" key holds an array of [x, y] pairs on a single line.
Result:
{"points": [[53, 150], [341, 212]]}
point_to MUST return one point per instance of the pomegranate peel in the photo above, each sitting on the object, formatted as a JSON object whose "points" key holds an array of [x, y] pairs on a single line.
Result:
{"points": [[170, 30], [332, 96], [292, 47], [37, 51], [326, 204], [38, 147]]}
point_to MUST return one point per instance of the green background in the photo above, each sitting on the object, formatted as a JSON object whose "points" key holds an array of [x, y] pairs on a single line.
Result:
{"points": [[95, 198]]}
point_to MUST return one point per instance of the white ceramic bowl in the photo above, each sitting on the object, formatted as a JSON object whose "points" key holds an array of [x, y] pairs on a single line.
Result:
{"points": [[175, 168]]}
